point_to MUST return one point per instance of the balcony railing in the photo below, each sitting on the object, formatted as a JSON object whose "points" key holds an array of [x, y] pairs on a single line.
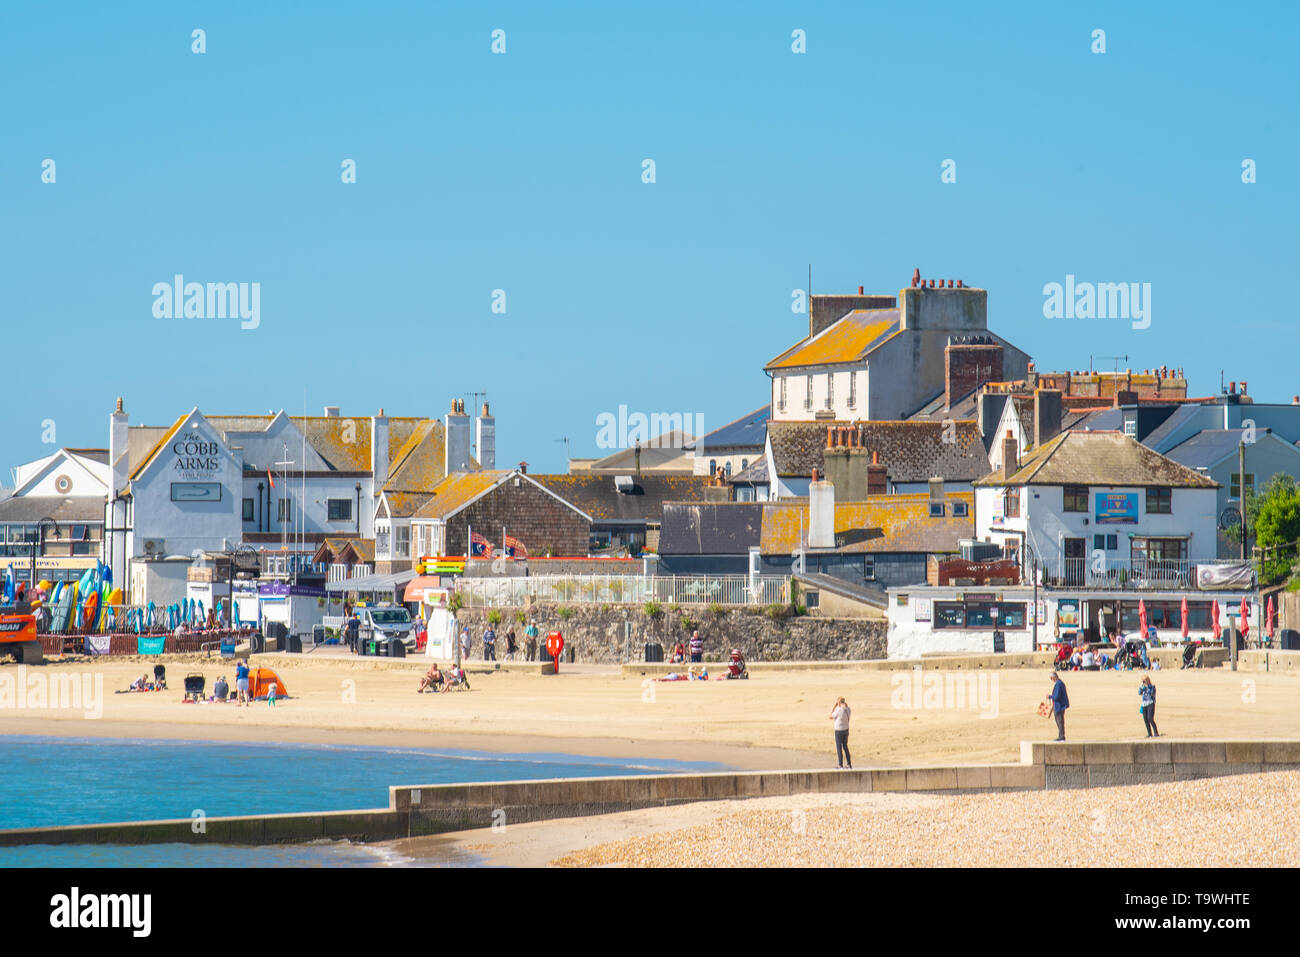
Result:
{"points": [[1147, 574]]}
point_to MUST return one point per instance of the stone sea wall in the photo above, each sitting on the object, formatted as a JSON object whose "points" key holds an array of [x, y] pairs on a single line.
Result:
{"points": [[612, 634]]}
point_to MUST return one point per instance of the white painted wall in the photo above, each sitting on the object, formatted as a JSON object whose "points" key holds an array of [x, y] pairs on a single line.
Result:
{"points": [[1042, 515], [909, 638], [831, 389]]}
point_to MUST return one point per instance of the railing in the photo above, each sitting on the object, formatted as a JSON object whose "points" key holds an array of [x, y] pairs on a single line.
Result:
{"points": [[625, 589], [280, 565], [1124, 575], [342, 573]]}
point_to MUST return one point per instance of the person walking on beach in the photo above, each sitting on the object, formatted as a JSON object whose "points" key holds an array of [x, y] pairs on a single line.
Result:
{"points": [[697, 647], [489, 644], [840, 715], [1060, 701], [353, 631], [530, 646], [511, 644], [241, 682], [466, 642], [1147, 692]]}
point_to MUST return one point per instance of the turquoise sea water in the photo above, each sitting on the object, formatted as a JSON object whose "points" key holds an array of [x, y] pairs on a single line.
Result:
{"points": [[53, 781]]}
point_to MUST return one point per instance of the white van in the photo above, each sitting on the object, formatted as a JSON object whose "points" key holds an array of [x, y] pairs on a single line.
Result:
{"points": [[382, 622]]}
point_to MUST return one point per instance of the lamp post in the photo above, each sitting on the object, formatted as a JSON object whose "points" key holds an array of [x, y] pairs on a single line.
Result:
{"points": [[358, 509], [38, 544]]}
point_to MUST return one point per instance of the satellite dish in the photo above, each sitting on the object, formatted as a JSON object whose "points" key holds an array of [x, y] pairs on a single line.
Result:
{"points": [[1230, 517]]}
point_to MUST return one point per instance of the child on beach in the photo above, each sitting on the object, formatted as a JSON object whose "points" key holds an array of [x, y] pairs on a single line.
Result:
{"points": [[270, 695]]}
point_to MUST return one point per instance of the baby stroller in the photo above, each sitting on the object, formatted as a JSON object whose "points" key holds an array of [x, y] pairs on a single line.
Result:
{"points": [[1189, 654], [194, 685], [159, 678]]}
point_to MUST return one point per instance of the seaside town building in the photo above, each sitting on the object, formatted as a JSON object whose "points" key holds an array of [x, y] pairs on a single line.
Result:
{"points": [[55, 514], [276, 485], [885, 357], [1080, 531]]}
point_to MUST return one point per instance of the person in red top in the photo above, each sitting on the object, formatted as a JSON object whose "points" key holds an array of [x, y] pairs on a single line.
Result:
{"points": [[679, 653]]}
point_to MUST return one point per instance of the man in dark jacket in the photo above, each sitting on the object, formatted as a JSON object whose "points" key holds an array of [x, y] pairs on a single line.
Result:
{"points": [[1060, 701]]}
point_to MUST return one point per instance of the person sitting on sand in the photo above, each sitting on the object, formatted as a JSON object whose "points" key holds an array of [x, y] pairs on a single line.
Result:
{"points": [[1076, 660], [140, 684], [220, 690], [678, 655], [455, 676], [433, 678], [1088, 661]]}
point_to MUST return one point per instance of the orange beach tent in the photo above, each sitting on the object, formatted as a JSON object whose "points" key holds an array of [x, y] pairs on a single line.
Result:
{"points": [[260, 681]]}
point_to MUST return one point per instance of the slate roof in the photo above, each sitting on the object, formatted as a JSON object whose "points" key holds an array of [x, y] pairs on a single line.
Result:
{"points": [[848, 339], [597, 496], [1099, 458], [965, 407], [1185, 415], [724, 528], [1209, 447], [746, 432], [882, 523], [911, 451], [755, 474], [82, 509]]}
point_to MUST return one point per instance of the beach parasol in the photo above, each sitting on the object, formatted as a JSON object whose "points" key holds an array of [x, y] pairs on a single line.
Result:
{"points": [[1271, 621], [1183, 610], [1142, 619], [1245, 618], [1214, 619]]}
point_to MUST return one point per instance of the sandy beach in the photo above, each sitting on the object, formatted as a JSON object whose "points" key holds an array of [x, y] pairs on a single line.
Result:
{"points": [[774, 721]]}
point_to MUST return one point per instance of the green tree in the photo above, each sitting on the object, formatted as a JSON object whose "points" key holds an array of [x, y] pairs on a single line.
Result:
{"points": [[1274, 514]]}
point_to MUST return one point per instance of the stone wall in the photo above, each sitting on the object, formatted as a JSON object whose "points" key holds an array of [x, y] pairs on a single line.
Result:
{"points": [[600, 635]]}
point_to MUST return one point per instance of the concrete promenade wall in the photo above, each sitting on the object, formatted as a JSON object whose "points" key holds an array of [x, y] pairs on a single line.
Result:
{"points": [[434, 809]]}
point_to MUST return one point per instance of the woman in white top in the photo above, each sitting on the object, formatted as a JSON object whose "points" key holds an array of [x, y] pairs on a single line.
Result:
{"points": [[840, 715]]}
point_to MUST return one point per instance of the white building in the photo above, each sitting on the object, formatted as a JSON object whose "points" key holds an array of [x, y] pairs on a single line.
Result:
{"points": [[879, 357], [56, 511], [1096, 507], [276, 484]]}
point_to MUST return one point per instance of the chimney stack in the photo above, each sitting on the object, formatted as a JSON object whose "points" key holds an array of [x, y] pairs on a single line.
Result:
{"points": [[485, 439], [821, 510], [118, 442], [1010, 453], [379, 450], [456, 439], [877, 476], [936, 489], [1047, 416], [523, 468]]}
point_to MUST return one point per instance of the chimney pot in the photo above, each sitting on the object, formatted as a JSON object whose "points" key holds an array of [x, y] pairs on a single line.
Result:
{"points": [[949, 283], [381, 411], [958, 283], [859, 290], [119, 404], [1232, 388], [523, 467], [816, 476], [1243, 386], [916, 276], [931, 283]]}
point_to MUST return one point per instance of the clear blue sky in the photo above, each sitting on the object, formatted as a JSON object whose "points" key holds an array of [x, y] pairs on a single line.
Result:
{"points": [[522, 172]]}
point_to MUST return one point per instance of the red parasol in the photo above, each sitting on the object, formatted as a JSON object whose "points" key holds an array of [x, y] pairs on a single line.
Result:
{"points": [[1245, 618], [1272, 618], [1183, 609], [1142, 619], [1214, 619]]}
